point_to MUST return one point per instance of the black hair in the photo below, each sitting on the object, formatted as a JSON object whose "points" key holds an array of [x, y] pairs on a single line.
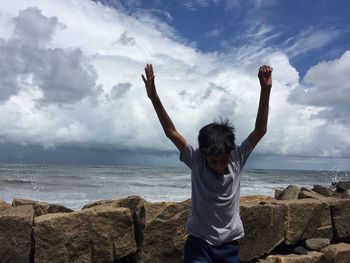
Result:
{"points": [[217, 138]]}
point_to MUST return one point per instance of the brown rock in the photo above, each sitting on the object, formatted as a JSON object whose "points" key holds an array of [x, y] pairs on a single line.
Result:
{"points": [[307, 193], [291, 192], [306, 218], [4, 205], [261, 199], [136, 205], [264, 229], [341, 217], [317, 244], [159, 227], [311, 257], [97, 234], [41, 208], [16, 234], [164, 231], [337, 253]]}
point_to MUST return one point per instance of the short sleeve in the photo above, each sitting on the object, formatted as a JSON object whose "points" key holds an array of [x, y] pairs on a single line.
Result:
{"points": [[243, 151], [187, 155]]}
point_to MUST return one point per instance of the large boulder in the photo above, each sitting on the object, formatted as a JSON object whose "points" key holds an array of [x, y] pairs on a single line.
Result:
{"points": [[164, 233], [159, 227], [341, 217], [263, 226], [16, 234], [98, 234], [305, 219], [41, 208], [317, 244], [136, 205]]}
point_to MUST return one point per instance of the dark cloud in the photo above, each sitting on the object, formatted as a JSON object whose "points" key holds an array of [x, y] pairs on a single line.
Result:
{"points": [[64, 76]]}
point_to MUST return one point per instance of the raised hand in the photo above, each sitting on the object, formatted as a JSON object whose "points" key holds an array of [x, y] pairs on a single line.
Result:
{"points": [[265, 76], [149, 81]]}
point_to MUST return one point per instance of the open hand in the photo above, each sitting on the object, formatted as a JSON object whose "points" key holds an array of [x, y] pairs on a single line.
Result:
{"points": [[265, 76], [149, 81]]}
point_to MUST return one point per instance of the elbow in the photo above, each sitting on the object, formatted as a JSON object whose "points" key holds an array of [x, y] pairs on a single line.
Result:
{"points": [[169, 134]]}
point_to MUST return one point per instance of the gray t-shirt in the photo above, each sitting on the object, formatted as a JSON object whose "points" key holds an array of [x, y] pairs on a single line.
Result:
{"points": [[214, 214]]}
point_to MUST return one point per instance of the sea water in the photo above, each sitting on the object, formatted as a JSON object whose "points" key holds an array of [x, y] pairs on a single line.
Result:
{"points": [[75, 186]]}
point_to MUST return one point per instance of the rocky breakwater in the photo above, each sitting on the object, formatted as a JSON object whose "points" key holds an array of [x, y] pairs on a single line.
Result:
{"points": [[299, 225]]}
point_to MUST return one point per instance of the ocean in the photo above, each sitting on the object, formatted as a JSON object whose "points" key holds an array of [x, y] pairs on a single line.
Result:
{"points": [[75, 186]]}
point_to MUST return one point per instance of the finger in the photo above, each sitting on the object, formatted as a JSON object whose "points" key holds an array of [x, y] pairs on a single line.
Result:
{"points": [[144, 79], [151, 69]]}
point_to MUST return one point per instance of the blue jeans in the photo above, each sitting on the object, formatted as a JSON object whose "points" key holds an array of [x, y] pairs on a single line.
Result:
{"points": [[199, 251]]}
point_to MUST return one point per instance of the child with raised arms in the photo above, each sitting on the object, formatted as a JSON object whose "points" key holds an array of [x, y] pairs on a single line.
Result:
{"points": [[214, 224]]}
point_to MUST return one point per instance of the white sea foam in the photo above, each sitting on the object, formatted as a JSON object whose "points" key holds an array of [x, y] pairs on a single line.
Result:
{"points": [[75, 186]]}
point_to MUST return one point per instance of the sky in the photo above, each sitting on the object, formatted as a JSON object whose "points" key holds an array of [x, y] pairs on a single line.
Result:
{"points": [[71, 90]]}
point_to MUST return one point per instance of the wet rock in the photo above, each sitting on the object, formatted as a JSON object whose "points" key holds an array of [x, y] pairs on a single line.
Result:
{"points": [[16, 234], [41, 208], [264, 229], [98, 234], [317, 244]]}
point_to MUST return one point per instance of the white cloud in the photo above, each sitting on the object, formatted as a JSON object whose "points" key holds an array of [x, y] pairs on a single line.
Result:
{"points": [[79, 83]]}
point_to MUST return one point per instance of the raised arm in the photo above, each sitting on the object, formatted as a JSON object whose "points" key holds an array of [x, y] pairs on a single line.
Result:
{"points": [[265, 78], [165, 121]]}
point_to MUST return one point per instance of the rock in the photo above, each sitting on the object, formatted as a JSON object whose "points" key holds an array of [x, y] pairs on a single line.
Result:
{"points": [[264, 229], [341, 187], [337, 253], [291, 192], [41, 208], [159, 227], [136, 205], [307, 193], [341, 217], [164, 231], [300, 250], [310, 257], [322, 190], [97, 234], [4, 205], [261, 199], [317, 244], [278, 192], [16, 234], [305, 219]]}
